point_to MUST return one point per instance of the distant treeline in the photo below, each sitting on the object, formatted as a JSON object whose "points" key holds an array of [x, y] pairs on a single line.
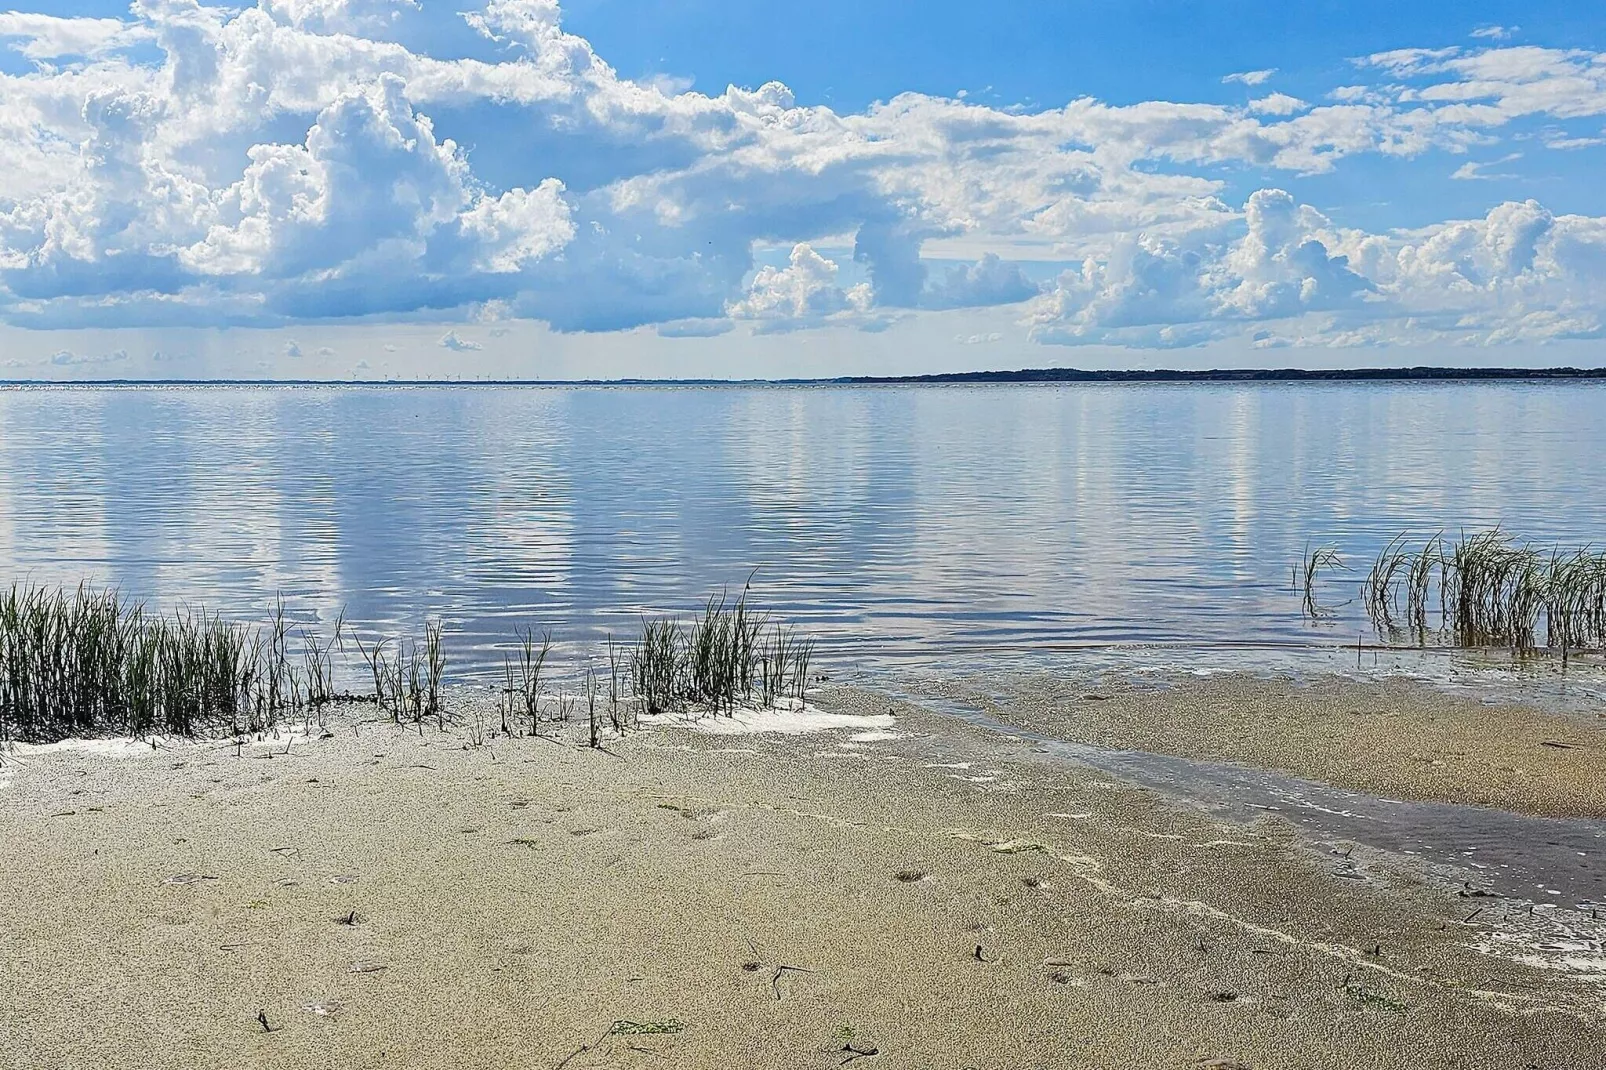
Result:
{"points": [[1231, 375]]}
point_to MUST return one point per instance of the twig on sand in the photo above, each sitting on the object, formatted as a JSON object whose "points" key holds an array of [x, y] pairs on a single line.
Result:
{"points": [[262, 1020], [775, 981], [569, 1058], [853, 1051]]}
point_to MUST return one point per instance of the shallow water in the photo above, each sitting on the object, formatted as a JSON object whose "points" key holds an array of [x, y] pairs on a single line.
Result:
{"points": [[891, 521]]}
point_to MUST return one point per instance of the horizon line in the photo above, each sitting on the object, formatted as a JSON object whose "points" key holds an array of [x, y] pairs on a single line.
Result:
{"points": [[1417, 373]]}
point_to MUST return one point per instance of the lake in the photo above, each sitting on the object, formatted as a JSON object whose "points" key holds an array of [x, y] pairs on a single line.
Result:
{"points": [[890, 521]]}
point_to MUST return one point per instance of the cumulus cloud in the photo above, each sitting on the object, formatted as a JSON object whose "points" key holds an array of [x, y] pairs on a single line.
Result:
{"points": [[804, 293], [304, 160], [1519, 274], [450, 340]]}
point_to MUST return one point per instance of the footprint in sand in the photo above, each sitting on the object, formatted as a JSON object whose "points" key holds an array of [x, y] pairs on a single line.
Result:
{"points": [[701, 816]]}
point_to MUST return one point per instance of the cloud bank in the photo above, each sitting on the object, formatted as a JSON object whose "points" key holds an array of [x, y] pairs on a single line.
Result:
{"points": [[296, 162]]}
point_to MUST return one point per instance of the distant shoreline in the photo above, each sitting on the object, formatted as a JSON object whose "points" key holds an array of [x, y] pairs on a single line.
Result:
{"points": [[1023, 375]]}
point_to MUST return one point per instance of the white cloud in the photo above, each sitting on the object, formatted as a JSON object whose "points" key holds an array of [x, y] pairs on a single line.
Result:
{"points": [[307, 160], [66, 358], [1478, 171], [1556, 139], [1250, 78], [1519, 274], [335, 16], [1278, 104], [804, 293], [1495, 33], [451, 341], [51, 37], [519, 227]]}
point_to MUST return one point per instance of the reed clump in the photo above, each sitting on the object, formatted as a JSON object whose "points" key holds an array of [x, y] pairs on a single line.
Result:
{"points": [[728, 657], [1491, 589], [87, 663]]}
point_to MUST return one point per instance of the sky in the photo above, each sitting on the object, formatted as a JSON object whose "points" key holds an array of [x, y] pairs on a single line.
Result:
{"points": [[476, 189]]}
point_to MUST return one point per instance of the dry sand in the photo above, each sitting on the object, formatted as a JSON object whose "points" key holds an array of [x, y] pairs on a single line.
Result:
{"points": [[928, 896]]}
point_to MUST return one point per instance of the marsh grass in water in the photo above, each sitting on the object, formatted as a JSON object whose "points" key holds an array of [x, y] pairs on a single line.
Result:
{"points": [[1312, 563], [1491, 589]]}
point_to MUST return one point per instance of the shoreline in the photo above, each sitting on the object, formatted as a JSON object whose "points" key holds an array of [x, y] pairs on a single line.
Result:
{"points": [[922, 886]]}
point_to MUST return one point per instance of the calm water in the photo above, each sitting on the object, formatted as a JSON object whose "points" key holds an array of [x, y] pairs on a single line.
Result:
{"points": [[890, 521]]}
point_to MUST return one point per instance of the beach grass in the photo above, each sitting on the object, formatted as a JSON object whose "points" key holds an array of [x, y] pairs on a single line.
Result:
{"points": [[88, 662], [728, 657]]}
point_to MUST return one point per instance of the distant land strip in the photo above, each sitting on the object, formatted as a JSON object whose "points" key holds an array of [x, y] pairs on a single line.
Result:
{"points": [[1230, 375], [1023, 375]]}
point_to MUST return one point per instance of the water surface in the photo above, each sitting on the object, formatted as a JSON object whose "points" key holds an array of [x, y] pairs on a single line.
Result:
{"points": [[891, 521]]}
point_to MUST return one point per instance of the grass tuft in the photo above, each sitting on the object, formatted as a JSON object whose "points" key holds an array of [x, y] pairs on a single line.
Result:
{"points": [[727, 658]]}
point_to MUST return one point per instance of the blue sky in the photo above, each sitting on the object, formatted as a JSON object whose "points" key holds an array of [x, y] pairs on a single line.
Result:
{"points": [[403, 188]]}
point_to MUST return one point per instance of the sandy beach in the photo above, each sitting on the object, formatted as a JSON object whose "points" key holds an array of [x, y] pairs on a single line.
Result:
{"points": [[896, 888]]}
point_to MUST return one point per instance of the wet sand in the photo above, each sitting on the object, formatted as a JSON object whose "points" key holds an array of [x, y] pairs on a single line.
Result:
{"points": [[1390, 736], [929, 896]]}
